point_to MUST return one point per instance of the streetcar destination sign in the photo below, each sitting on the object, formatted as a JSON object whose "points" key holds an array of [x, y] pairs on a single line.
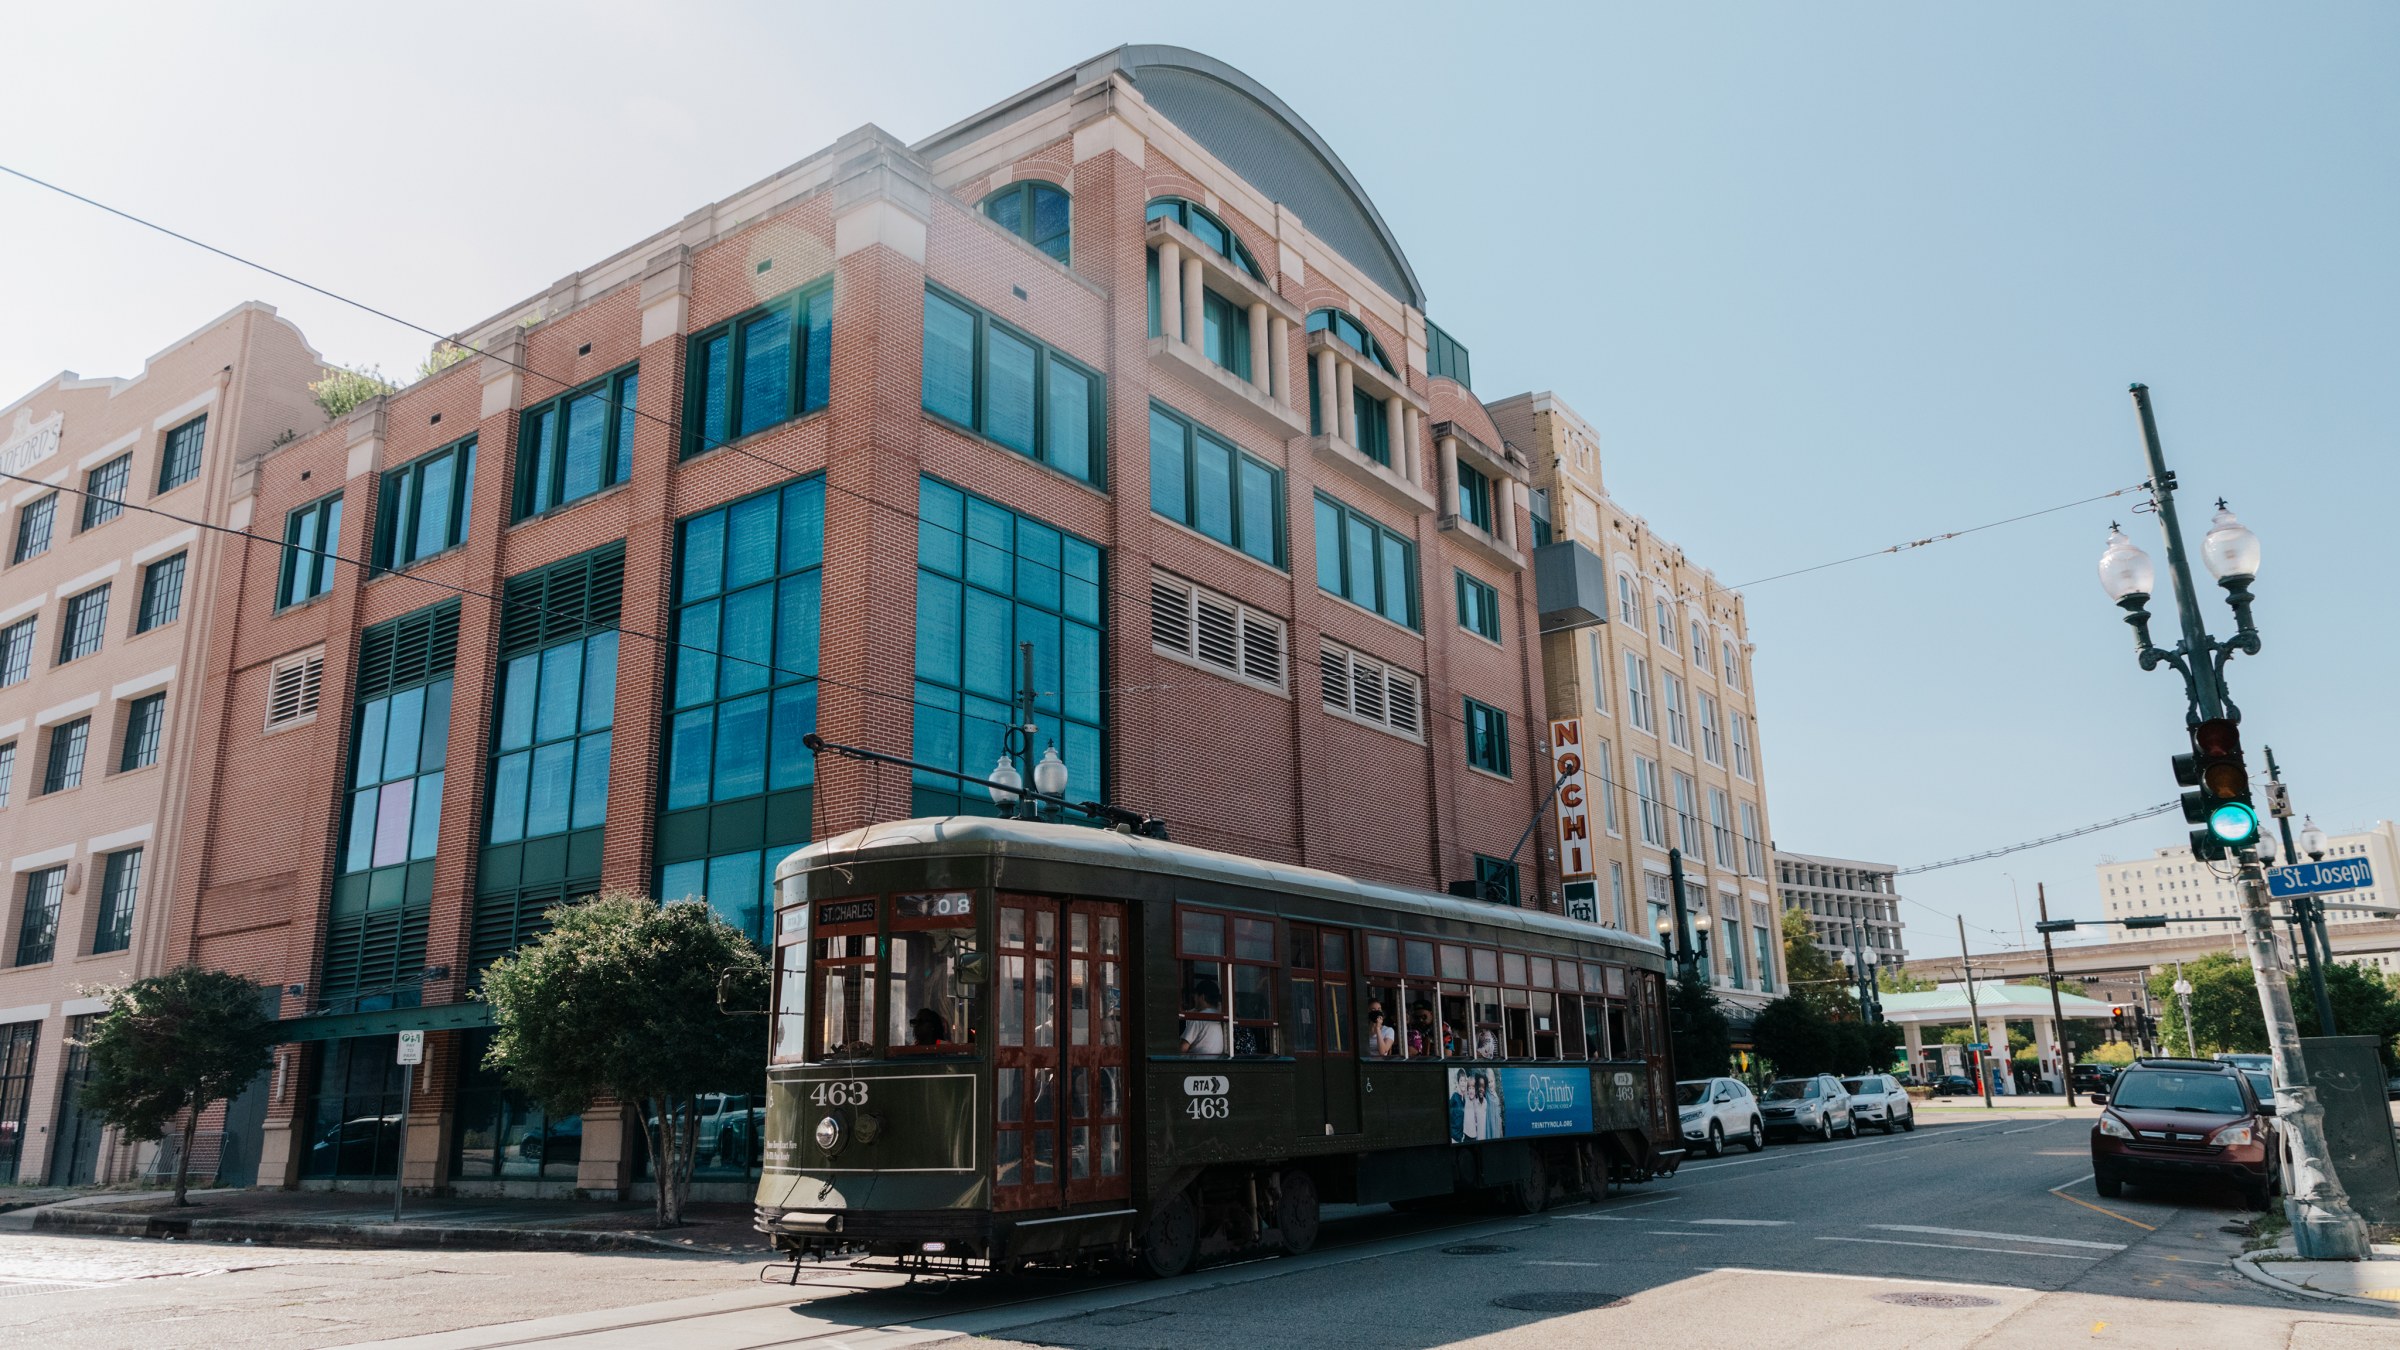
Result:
{"points": [[2318, 878]]}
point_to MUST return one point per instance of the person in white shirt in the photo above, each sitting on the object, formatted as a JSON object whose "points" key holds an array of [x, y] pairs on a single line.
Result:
{"points": [[1203, 1029]]}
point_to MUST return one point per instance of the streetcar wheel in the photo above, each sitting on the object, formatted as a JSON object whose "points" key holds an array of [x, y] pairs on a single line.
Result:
{"points": [[1296, 1211], [1170, 1240], [1530, 1194], [1716, 1140], [1758, 1136]]}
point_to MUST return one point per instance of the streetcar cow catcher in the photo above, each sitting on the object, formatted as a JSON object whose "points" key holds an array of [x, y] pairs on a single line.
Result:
{"points": [[1001, 1043]]}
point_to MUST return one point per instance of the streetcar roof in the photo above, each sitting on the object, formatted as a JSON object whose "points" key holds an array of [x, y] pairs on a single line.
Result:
{"points": [[933, 835]]}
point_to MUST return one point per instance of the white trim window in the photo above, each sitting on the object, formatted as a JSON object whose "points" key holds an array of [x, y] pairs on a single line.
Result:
{"points": [[1219, 635], [1666, 623], [1687, 812], [293, 685], [1733, 666], [1720, 827], [1363, 689], [1616, 889], [1700, 643], [1741, 748], [1637, 693], [1712, 736], [1599, 679], [1608, 787], [1679, 722], [1629, 609], [1754, 849], [1650, 799]]}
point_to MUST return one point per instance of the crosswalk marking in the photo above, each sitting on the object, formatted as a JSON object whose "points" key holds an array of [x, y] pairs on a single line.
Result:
{"points": [[1997, 1237]]}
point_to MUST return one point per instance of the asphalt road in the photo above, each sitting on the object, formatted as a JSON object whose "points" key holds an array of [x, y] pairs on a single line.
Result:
{"points": [[1976, 1230]]}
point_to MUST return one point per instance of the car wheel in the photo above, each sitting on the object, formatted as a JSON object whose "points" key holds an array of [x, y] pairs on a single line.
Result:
{"points": [[1824, 1129], [2109, 1187], [1716, 1140], [1908, 1123], [1852, 1132], [1758, 1136]]}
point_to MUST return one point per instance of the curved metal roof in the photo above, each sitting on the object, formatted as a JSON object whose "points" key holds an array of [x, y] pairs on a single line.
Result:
{"points": [[973, 835]]}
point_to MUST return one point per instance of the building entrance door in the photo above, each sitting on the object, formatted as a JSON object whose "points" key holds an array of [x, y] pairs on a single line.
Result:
{"points": [[75, 1150]]}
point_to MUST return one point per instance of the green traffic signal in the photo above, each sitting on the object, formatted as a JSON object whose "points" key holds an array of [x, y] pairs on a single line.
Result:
{"points": [[2234, 824]]}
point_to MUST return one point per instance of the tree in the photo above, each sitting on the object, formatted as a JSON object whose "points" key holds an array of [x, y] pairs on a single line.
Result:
{"points": [[619, 999], [2364, 1004], [2115, 1052], [2225, 1011], [1814, 975], [1794, 1037], [1703, 1040], [342, 389], [1897, 980], [172, 1046]]}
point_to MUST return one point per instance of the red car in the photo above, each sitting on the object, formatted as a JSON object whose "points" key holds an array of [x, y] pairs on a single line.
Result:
{"points": [[2169, 1120]]}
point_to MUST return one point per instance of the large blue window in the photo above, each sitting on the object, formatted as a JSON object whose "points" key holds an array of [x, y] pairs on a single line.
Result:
{"points": [[1005, 386], [1363, 562], [1198, 479], [765, 367], [989, 579], [742, 695], [576, 444], [383, 890], [1035, 212]]}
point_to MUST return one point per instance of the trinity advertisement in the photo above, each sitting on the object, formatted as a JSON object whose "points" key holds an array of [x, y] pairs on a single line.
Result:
{"points": [[1498, 1103]]}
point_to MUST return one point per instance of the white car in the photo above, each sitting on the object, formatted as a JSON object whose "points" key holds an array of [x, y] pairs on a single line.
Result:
{"points": [[1814, 1107], [1878, 1099], [1717, 1109]]}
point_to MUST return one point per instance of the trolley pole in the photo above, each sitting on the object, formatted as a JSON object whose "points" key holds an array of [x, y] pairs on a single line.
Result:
{"points": [[2058, 1016], [1983, 1072]]}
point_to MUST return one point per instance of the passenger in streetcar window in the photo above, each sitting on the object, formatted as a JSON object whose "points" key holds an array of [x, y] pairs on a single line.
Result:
{"points": [[927, 1031], [1204, 1018], [1424, 1038], [1380, 1039]]}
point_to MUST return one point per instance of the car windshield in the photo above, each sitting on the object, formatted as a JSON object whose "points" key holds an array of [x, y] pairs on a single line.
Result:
{"points": [[1791, 1089], [2165, 1090], [1859, 1086], [1691, 1094], [2260, 1084]]}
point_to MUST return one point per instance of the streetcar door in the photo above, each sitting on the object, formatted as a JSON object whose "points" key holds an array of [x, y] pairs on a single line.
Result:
{"points": [[1059, 1067], [1325, 1088]]}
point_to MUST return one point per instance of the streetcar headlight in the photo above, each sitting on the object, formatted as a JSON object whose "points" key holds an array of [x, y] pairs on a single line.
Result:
{"points": [[829, 1134]]}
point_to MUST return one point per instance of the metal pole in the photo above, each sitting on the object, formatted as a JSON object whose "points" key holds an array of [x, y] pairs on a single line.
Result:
{"points": [[1983, 1074], [2307, 918], [2058, 1016], [1027, 806], [2196, 643], [2183, 1000], [1686, 959], [400, 1165], [2324, 1226]]}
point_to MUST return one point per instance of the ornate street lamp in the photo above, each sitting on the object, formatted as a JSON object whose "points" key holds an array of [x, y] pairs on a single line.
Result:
{"points": [[1005, 780], [2312, 839]]}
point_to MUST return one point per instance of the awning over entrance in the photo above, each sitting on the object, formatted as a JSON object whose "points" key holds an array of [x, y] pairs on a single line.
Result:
{"points": [[386, 1021]]}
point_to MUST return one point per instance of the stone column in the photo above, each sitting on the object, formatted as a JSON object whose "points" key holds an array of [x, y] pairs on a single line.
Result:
{"points": [[1416, 464], [1279, 358], [1259, 378], [1445, 494], [1995, 1034], [1195, 314], [1328, 417], [1504, 508], [1914, 1035], [1394, 425], [1170, 291], [1345, 402], [2045, 1035]]}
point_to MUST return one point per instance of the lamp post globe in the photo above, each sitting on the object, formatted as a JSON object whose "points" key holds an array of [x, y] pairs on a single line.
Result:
{"points": [[2312, 839], [1050, 776], [2125, 571], [2231, 548], [2183, 987], [2268, 849], [1700, 921], [1005, 780], [1666, 924]]}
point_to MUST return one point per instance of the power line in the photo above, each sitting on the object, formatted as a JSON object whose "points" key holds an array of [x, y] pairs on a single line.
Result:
{"points": [[1939, 538], [2144, 814]]}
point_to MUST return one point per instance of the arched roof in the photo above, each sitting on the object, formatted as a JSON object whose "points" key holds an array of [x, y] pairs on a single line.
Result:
{"points": [[1258, 136]]}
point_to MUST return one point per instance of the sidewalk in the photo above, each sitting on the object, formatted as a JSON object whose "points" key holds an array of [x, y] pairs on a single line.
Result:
{"points": [[2026, 1102], [2375, 1280], [355, 1219]]}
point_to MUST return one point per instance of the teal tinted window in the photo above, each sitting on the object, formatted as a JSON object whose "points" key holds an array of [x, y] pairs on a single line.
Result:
{"points": [[1445, 356], [1478, 607], [759, 369], [1007, 386], [556, 707], [1487, 737], [422, 506], [576, 444], [1365, 563], [1475, 496], [989, 580], [312, 536], [1351, 333], [1035, 212], [1198, 479], [1206, 228], [179, 454], [400, 734]]}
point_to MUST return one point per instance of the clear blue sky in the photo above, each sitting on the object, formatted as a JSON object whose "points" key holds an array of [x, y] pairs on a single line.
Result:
{"points": [[1825, 277]]}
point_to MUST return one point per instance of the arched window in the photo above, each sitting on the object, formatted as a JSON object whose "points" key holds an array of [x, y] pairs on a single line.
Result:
{"points": [[1352, 333], [1035, 212], [1206, 228]]}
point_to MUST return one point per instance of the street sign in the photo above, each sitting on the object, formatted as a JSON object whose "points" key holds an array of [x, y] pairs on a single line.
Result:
{"points": [[1573, 810], [2318, 878], [412, 1047]]}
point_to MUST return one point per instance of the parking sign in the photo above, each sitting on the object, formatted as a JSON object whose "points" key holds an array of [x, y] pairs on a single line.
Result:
{"points": [[412, 1047]]}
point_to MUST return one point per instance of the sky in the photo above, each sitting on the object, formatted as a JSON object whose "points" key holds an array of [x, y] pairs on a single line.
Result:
{"points": [[1825, 278]]}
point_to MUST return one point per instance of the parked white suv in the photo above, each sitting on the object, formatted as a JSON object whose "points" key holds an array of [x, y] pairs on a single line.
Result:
{"points": [[1878, 1099], [1717, 1109], [1814, 1107]]}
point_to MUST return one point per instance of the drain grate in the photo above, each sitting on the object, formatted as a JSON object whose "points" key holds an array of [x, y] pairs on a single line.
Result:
{"points": [[1934, 1300], [1552, 1301], [1477, 1249]]}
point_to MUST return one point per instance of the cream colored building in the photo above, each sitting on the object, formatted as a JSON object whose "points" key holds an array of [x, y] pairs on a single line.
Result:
{"points": [[105, 607], [1656, 665], [2200, 900]]}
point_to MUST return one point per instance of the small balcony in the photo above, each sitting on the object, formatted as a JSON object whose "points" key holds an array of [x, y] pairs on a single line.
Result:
{"points": [[1343, 374], [1189, 275], [1502, 471]]}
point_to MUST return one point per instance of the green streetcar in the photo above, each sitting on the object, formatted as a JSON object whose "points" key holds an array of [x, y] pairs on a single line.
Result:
{"points": [[999, 1043]]}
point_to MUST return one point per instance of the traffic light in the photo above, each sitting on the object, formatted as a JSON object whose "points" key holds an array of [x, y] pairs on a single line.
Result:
{"points": [[2219, 800]]}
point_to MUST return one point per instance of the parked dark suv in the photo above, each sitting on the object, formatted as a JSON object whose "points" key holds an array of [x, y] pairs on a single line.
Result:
{"points": [[2090, 1077], [2170, 1120]]}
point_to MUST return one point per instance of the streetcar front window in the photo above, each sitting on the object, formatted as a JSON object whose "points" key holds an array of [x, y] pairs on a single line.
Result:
{"points": [[929, 1006], [845, 980]]}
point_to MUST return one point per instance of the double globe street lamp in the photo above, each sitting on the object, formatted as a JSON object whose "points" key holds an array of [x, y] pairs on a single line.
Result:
{"points": [[1687, 945], [2324, 1225]]}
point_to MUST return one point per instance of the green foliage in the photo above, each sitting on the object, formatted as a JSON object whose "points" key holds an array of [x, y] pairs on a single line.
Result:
{"points": [[169, 1046], [2114, 1052], [619, 999], [443, 356], [1794, 1038], [343, 390], [2365, 1003], [1703, 1040], [1897, 980], [1814, 974], [2225, 1012]]}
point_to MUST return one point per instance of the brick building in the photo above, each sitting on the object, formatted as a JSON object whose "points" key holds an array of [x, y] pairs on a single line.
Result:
{"points": [[106, 609], [1653, 657], [1127, 368]]}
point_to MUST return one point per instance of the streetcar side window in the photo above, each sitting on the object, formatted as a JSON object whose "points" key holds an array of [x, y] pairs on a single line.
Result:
{"points": [[1336, 966], [791, 1001], [1228, 989], [1254, 1028], [1384, 1035]]}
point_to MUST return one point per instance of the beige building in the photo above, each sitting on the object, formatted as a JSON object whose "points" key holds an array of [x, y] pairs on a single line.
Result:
{"points": [[1653, 657], [1851, 905], [104, 621], [2200, 900]]}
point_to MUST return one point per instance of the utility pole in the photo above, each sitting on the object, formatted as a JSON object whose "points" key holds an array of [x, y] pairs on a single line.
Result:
{"points": [[2058, 1017], [2307, 917], [1983, 1073]]}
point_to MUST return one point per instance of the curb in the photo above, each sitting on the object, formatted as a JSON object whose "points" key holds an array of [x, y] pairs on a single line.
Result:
{"points": [[2256, 1271], [283, 1233]]}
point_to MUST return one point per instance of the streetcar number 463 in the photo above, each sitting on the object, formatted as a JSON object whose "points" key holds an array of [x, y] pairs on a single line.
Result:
{"points": [[852, 1093]]}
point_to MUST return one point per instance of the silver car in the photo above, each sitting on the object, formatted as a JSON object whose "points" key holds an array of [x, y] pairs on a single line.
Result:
{"points": [[1877, 1099], [1815, 1107]]}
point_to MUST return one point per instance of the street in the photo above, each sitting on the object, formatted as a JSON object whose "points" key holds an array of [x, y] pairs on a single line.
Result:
{"points": [[1976, 1230]]}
